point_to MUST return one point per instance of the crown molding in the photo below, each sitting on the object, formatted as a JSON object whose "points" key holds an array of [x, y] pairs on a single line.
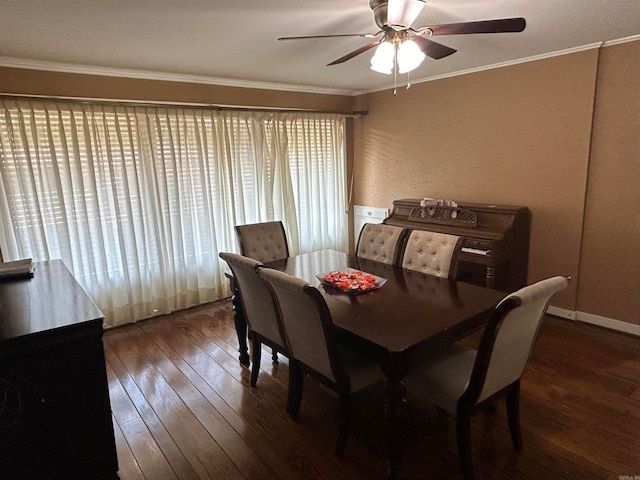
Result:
{"points": [[493, 66], [29, 64], [618, 41]]}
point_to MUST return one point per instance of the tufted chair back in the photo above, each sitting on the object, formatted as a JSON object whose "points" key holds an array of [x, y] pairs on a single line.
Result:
{"points": [[381, 242], [264, 242], [433, 253]]}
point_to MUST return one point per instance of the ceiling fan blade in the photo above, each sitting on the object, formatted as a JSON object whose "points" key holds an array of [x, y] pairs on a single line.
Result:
{"points": [[361, 35], [433, 49], [483, 26], [402, 13], [356, 52]]}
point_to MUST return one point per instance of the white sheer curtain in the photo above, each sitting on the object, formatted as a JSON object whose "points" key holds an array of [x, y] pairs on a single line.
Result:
{"points": [[139, 201]]}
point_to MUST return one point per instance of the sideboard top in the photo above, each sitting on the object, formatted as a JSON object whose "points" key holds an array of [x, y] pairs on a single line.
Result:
{"points": [[49, 301]]}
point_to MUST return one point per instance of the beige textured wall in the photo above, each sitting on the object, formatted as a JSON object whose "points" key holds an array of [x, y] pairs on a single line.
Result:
{"points": [[609, 283], [517, 135], [35, 82]]}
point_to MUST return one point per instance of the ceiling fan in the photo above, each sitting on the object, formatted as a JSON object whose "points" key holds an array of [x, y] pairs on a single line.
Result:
{"points": [[405, 47]]}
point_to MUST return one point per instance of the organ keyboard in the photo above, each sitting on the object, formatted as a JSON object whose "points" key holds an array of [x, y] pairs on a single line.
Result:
{"points": [[495, 248]]}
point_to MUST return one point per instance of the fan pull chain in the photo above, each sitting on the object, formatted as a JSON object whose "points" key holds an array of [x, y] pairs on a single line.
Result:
{"points": [[395, 77]]}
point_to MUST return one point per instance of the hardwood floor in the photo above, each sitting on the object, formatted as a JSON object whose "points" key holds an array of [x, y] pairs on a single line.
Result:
{"points": [[183, 409]]}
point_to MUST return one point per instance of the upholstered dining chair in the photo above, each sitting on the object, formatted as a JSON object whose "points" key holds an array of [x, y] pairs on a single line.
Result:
{"points": [[433, 253], [258, 309], [380, 242], [309, 332], [265, 242], [462, 381]]}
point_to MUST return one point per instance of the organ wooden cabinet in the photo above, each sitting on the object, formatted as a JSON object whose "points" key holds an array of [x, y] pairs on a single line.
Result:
{"points": [[495, 249], [55, 413]]}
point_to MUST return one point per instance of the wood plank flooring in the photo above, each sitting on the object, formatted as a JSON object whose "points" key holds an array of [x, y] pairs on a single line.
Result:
{"points": [[183, 409]]}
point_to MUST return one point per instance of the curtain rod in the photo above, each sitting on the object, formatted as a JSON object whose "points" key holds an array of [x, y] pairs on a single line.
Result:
{"points": [[203, 106]]}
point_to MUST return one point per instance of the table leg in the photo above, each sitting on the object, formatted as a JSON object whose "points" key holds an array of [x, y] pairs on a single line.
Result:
{"points": [[240, 323], [395, 412]]}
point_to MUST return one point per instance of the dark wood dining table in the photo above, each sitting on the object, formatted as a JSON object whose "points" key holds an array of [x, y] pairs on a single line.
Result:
{"points": [[412, 314]]}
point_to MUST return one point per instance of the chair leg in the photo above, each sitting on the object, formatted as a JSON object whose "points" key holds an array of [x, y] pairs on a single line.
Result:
{"points": [[463, 436], [298, 385], [491, 407], [344, 421], [256, 354], [292, 386], [513, 413]]}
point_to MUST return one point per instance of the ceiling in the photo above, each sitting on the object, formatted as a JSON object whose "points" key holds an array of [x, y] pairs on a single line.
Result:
{"points": [[234, 42]]}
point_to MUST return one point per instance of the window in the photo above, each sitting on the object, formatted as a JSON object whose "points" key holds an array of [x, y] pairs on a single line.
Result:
{"points": [[139, 201]]}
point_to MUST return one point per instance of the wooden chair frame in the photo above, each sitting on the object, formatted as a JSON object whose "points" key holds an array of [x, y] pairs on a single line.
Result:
{"points": [[242, 231], [297, 369], [468, 403], [257, 339]]}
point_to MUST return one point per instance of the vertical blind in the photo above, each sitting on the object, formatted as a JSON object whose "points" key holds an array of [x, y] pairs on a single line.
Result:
{"points": [[138, 201]]}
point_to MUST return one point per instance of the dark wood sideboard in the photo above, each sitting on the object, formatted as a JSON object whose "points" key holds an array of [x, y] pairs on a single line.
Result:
{"points": [[55, 413], [495, 249]]}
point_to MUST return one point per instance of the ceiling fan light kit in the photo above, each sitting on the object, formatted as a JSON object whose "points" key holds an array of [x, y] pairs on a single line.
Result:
{"points": [[403, 48], [401, 52], [383, 59], [409, 56]]}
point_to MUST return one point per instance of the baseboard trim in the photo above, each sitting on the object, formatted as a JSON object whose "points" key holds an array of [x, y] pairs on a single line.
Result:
{"points": [[605, 322], [562, 313]]}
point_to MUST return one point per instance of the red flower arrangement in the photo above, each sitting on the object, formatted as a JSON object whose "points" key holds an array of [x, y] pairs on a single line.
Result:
{"points": [[352, 281]]}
